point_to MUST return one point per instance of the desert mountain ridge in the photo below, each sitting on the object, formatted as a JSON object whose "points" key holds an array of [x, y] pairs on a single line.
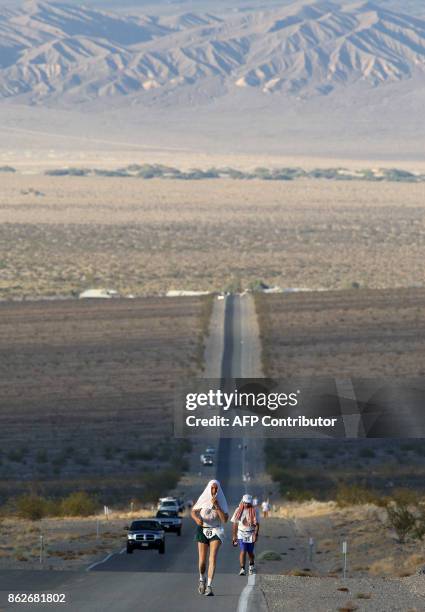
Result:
{"points": [[61, 54]]}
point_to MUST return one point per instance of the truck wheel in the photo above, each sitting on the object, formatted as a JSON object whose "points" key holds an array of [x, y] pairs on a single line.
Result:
{"points": [[129, 550], [161, 549], [179, 532]]}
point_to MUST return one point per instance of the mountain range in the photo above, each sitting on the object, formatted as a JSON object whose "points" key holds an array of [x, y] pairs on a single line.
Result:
{"points": [[63, 54]]}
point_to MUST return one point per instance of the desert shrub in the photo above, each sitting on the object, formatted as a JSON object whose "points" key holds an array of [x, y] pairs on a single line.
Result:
{"points": [[146, 174], [234, 286], [67, 172], [83, 460], [406, 497], [418, 531], [79, 504], [41, 456], [294, 485], [401, 520], [108, 452], [351, 495], [60, 460], [269, 555], [395, 174], [328, 173], [407, 446], [185, 445], [299, 495], [31, 507], [262, 173], [235, 174], [7, 169], [111, 173], [155, 483], [17, 455], [257, 285], [368, 175], [140, 454]]}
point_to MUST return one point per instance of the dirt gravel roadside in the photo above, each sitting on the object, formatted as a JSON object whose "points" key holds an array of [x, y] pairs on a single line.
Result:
{"points": [[300, 594]]}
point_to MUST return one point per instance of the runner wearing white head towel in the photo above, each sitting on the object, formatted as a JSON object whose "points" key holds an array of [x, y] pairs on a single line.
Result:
{"points": [[246, 525], [209, 513]]}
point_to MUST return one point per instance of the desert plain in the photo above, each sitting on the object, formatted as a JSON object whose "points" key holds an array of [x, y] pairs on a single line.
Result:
{"points": [[61, 235]]}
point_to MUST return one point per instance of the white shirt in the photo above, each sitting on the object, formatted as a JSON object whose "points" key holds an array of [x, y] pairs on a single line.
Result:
{"points": [[243, 528], [265, 506]]}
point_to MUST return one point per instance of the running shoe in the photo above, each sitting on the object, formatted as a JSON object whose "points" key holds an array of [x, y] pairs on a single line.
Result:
{"points": [[251, 570], [242, 572], [209, 592], [201, 587]]}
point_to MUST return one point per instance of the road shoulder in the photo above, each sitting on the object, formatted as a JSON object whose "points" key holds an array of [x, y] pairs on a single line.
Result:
{"points": [[295, 593]]}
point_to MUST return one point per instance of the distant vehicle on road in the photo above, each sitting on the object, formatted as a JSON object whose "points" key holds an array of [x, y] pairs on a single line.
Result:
{"points": [[145, 534], [170, 521], [207, 460], [171, 503], [210, 450]]}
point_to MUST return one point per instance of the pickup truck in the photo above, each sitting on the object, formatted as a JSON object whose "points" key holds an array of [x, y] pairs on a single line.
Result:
{"points": [[169, 521], [145, 534]]}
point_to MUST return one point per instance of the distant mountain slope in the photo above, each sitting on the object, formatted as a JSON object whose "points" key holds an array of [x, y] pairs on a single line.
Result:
{"points": [[64, 53]]}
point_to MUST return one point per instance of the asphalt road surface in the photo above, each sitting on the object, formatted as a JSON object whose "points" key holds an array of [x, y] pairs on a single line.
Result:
{"points": [[148, 581]]}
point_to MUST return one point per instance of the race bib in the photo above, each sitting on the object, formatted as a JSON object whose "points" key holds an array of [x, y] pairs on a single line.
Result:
{"points": [[247, 538], [210, 532]]}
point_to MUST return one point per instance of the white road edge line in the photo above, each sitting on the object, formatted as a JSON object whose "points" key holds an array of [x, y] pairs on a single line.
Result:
{"points": [[246, 593], [100, 562]]}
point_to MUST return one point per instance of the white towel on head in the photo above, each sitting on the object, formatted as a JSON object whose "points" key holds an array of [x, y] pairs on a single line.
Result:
{"points": [[204, 500]]}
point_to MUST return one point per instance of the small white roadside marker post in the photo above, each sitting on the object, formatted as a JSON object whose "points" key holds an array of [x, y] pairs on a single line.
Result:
{"points": [[132, 507], [97, 529], [106, 511], [41, 548], [310, 549], [344, 552]]}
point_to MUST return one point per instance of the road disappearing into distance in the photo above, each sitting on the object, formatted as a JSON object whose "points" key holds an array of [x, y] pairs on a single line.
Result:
{"points": [[148, 581]]}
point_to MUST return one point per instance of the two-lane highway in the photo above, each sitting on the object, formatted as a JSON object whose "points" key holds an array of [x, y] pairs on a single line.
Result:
{"points": [[146, 580]]}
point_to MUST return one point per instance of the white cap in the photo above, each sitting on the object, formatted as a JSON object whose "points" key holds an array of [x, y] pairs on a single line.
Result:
{"points": [[247, 499]]}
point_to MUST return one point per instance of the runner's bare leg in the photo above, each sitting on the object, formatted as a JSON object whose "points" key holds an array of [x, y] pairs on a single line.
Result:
{"points": [[242, 558], [202, 552], [214, 546]]}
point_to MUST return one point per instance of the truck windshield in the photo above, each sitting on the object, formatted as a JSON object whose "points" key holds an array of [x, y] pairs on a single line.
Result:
{"points": [[145, 525]]}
